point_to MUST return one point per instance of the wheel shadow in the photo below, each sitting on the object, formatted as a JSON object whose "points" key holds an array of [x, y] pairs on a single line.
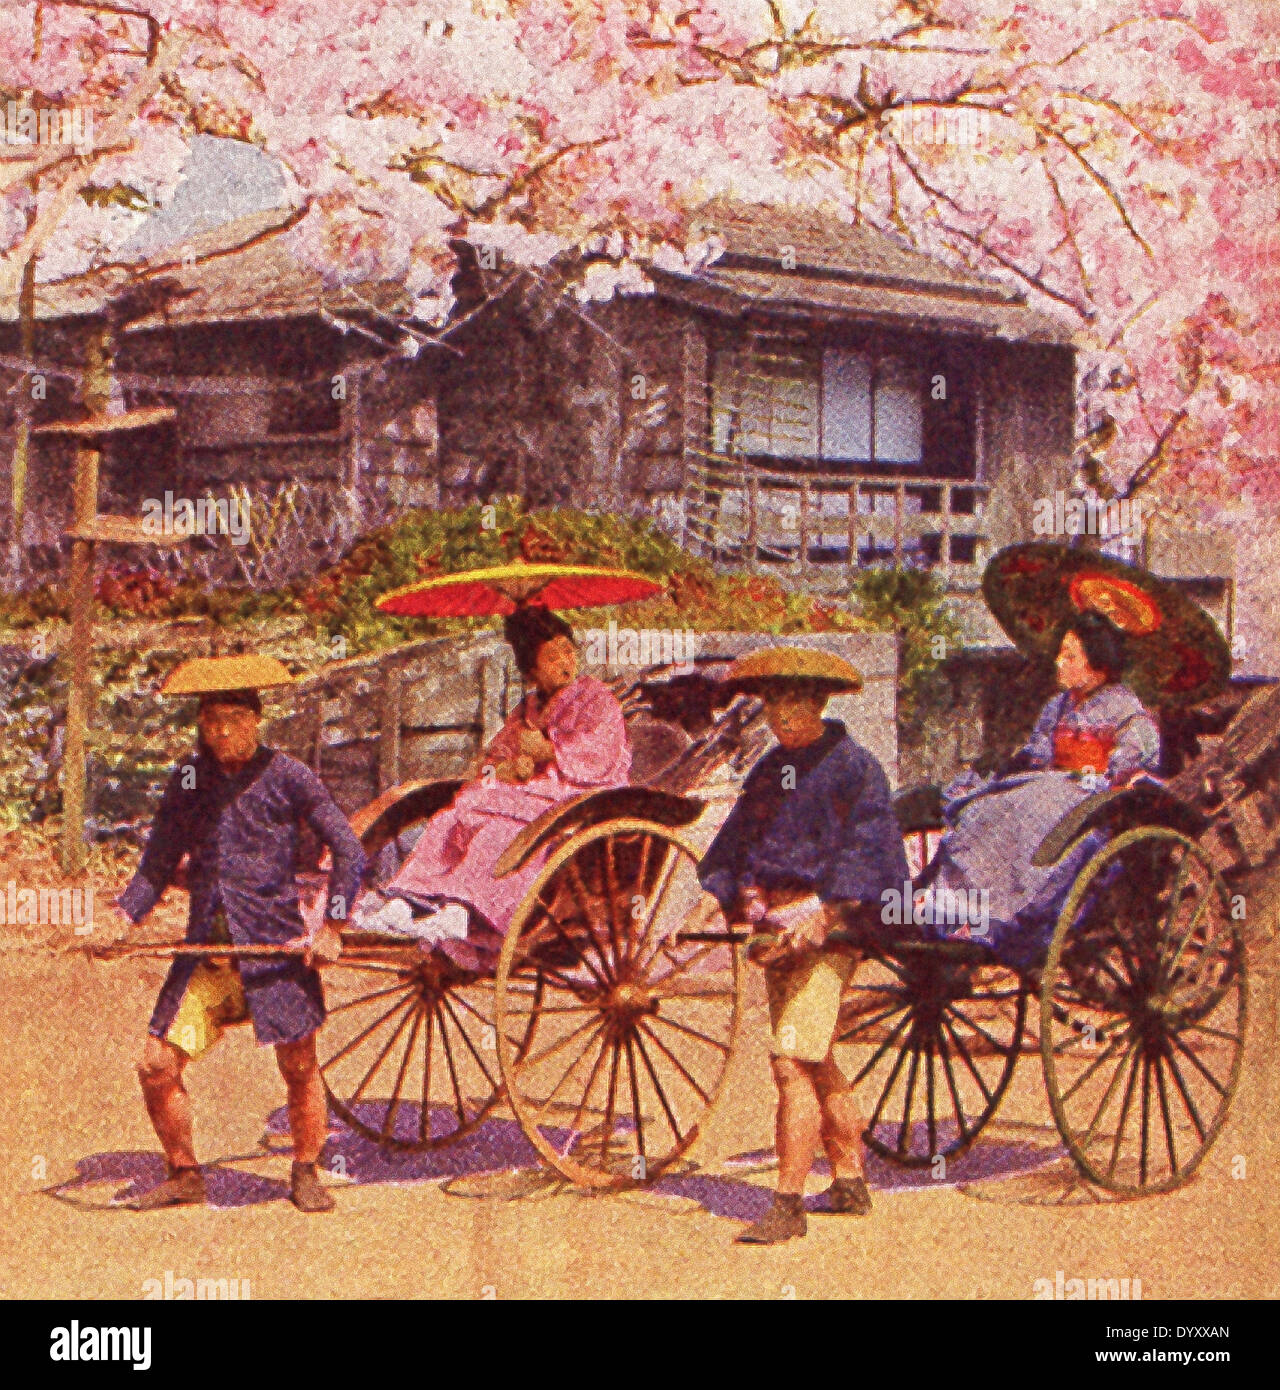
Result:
{"points": [[498, 1148]]}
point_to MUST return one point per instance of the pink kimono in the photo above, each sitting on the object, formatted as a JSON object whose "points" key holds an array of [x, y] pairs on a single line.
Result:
{"points": [[456, 854]]}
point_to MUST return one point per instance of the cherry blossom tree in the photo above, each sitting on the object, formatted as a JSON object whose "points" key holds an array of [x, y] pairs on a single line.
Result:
{"points": [[1115, 160]]}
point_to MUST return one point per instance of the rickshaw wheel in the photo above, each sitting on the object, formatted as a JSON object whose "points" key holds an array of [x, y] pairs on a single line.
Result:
{"points": [[1142, 1012], [946, 1025], [635, 1027], [409, 1055]]}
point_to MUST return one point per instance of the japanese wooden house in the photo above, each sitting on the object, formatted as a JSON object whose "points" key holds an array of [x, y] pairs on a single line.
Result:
{"points": [[814, 398], [818, 398]]}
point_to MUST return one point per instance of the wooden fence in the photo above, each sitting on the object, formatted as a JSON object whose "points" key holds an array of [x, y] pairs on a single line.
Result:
{"points": [[427, 709]]}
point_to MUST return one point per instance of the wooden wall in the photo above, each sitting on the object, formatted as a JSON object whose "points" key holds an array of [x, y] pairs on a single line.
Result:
{"points": [[426, 710]]}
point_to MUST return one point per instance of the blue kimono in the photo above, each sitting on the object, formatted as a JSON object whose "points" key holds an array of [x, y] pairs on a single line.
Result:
{"points": [[242, 833], [1077, 748], [818, 818]]}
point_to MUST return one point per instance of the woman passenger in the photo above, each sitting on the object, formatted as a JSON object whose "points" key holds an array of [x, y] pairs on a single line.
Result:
{"points": [[567, 736], [1093, 735]]}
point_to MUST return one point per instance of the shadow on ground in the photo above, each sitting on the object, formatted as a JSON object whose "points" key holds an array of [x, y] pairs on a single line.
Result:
{"points": [[499, 1147]]}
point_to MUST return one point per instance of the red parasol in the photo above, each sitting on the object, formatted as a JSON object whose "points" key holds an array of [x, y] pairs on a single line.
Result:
{"points": [[502, 589], [1177, 655]]}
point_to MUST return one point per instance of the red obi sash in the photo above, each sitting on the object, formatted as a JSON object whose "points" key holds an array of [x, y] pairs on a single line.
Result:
{"points": [[1075, 750]]}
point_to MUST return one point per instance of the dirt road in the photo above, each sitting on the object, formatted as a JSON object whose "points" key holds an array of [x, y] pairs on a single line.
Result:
{"points": [[1004, 1217]]}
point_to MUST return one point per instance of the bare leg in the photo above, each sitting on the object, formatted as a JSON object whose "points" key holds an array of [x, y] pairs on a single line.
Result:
{"points": [[799, 1128], [168, 1103], [841, 1123], [307, 1123]]}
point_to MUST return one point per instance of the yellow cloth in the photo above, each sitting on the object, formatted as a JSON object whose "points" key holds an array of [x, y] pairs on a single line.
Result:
{"points": [[213, 1001], [804, 1005]]}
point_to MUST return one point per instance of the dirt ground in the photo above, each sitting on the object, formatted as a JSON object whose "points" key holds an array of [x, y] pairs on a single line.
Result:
{"points": [[1007, 1215]]}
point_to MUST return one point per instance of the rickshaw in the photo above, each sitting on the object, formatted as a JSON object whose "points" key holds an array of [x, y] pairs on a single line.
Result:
{"points": [[607, 1027], [600, 1025], [1138, 1007]]}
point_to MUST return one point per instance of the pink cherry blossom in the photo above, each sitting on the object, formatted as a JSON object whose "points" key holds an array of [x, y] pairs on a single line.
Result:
{"points": [[1118, 168]]}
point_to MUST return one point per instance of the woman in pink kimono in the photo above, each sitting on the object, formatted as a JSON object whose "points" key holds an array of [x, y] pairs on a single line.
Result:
{"points": [[566, 737]]}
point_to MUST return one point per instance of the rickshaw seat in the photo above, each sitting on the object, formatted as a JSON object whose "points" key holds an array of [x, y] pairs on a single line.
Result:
{"points": [[918, 807]]}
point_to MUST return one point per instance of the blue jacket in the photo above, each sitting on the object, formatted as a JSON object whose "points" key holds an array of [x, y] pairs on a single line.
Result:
{"points": [[242, 834], [819, 817]]}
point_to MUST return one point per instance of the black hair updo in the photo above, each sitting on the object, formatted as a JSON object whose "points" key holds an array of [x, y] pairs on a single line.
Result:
{"points": [[527, 629], [1103, 643]]}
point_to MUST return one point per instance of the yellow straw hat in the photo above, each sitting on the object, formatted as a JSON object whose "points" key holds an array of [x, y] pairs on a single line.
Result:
{"points": [[210, 675], [825, 671]]}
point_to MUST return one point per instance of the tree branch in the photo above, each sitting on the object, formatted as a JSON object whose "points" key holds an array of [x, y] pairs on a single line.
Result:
{"points": [[1156, 459], [1112, 196], [1069, 235], [168, 53]]}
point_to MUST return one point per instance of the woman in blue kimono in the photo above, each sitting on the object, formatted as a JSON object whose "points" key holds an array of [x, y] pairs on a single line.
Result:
{"points": [[1093, 735]]}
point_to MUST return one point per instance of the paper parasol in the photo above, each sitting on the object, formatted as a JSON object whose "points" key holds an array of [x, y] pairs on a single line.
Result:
{"points": [[1177, 655], [504, 588]]}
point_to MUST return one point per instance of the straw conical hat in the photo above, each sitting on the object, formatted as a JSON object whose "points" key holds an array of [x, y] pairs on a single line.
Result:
{"points": [[803, 665], [208, 675]]}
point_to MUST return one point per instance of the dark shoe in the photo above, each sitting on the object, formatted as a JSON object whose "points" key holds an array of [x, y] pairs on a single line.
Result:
{"points": [[184, 1187], [305, 1191], [849, 1195], [784, 1220]]}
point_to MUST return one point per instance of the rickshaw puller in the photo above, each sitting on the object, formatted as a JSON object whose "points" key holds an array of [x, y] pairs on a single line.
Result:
{"points": [[811, 842], [234, 809]]}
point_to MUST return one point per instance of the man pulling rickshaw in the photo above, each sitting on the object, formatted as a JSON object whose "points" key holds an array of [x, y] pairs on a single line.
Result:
{"points": [[233, 811], [811, 840]]}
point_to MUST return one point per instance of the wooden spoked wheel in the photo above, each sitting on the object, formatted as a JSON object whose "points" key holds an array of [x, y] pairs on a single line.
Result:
{"points": [[944, 1027], [1142, 1012], [635, 1027], [409, 1056]]}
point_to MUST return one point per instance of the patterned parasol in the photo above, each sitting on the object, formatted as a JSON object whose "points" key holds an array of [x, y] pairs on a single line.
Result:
{"points": [[1177, 655]]}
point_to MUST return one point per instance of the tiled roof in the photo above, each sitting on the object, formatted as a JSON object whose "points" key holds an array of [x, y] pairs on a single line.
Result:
{"points": [[241, 271], [843, 270]]}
